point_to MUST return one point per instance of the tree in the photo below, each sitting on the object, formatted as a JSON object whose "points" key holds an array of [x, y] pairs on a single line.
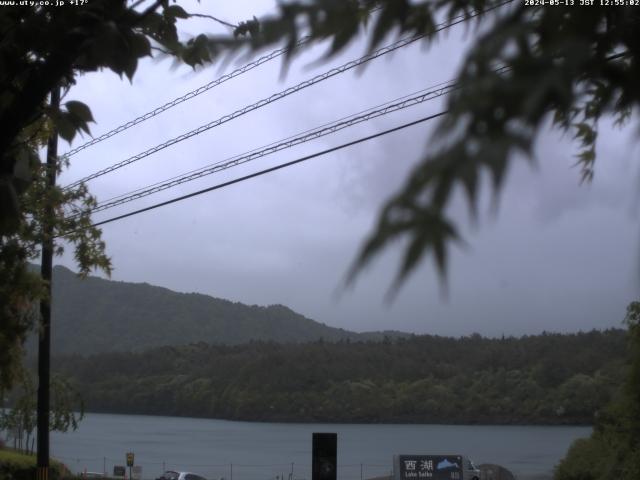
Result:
{"points": [[613, 449], [42, 48], [20, 419], [20, 286]]}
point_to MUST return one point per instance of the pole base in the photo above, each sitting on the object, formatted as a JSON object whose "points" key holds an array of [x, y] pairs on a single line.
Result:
{"points": [[42, 473]]}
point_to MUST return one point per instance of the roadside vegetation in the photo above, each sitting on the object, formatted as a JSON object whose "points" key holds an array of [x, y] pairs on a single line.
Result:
{"points": [[20, 466], [613, 450], [18, 422]]}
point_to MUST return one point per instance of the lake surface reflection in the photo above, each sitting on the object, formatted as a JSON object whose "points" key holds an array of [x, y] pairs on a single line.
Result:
{"points": [[263, 451]]}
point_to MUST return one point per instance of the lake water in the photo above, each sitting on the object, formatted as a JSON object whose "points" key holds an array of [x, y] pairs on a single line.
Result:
{"points": [[264, 451]]}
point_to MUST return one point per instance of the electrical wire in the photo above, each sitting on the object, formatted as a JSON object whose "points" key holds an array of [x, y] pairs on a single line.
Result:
{"points": [[261, 172], [391, 106], [194, 93], [277, 96], [272, 144], [273, 148], [187, 96]]}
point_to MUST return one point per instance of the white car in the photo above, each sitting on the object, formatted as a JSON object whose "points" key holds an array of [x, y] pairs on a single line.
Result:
{"points": [[470, 470], [171, 475]]}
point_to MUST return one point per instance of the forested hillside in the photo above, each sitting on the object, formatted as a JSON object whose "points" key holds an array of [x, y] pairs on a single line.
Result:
{"points": [[544, 379], [93, 315]]}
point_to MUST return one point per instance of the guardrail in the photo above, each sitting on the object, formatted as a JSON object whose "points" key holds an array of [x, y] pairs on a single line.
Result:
{"points": [[151, 470]]}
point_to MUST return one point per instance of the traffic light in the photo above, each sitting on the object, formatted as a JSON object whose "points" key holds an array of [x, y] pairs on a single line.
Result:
{"points": [[325, 452]]}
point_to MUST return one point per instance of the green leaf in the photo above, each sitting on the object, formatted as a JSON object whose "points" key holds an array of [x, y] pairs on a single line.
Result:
{"points": [[66, 127], [176, 11], [80, 110], [151, 23], [9, 207], [383, 25], [22, 165], [130, 67], [140, 46]]}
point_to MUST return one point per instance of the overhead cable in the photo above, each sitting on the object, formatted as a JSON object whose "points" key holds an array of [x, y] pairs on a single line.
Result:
{"points": [[279, 95], [391, 106], [395, 105], [263, 172], [187, 96], [194, 93], [276, 147]]}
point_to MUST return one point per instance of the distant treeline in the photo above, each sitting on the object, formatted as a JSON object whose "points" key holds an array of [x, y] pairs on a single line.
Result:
{"points": [[542, 379]]}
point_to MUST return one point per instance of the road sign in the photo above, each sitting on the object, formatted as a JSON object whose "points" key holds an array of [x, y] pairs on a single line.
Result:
{"points": [[129, 459], [137, 472], [428, 467], [119, 471]]}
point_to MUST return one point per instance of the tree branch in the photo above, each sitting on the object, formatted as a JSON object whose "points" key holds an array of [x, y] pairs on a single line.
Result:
{"points": [[211, 17]]}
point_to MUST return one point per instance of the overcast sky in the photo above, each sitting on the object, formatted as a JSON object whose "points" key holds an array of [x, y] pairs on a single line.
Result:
{"points": [[556, 256]]}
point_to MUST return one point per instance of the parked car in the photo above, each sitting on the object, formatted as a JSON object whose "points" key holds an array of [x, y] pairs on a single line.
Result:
{"points": [[171, 475], [471, 471]]}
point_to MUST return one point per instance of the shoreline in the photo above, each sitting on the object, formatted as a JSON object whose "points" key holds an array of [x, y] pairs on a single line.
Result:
{"points": [[309, 421]]}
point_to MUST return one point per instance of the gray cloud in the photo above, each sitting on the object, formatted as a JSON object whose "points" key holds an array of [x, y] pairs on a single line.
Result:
{"points": [[557, 256]]}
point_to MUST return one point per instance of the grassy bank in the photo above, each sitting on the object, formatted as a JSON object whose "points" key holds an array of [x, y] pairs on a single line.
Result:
{"points": [[19, 466]]}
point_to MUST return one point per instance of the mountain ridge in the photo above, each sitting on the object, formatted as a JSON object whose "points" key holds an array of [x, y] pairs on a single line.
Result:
{"points": [[96, 315]]}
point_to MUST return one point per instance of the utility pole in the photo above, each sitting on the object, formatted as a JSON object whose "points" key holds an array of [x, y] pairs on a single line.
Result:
{"points": [[44, 344]]}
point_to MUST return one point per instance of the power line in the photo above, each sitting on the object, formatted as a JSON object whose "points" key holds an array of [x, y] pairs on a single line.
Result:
{"points": [[265, 171], [391, 106], [187, 96], [304, 137], [277, 96], [255, 150], [194, 93]]}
